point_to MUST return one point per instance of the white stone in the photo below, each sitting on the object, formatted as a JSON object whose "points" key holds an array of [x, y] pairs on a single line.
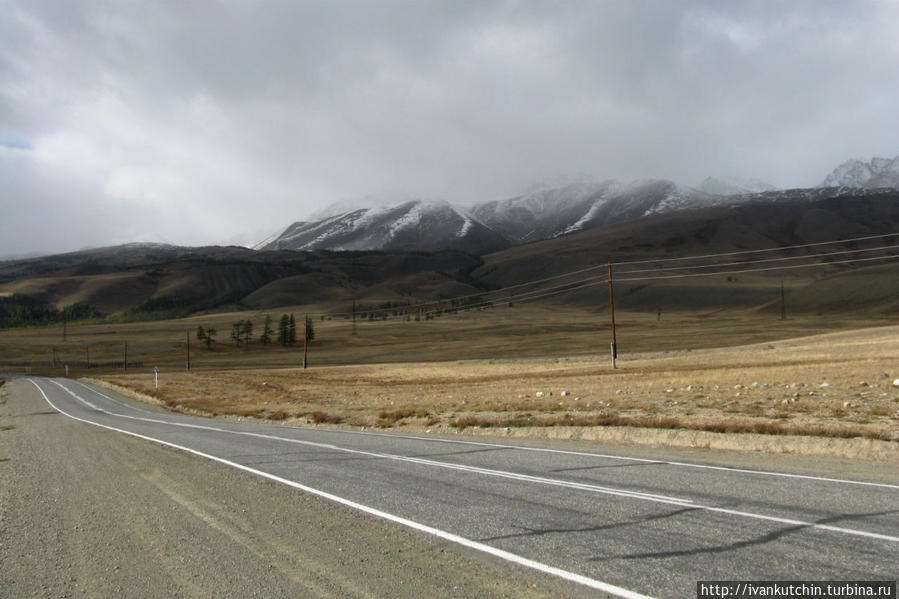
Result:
{"points": [[565, 393]]}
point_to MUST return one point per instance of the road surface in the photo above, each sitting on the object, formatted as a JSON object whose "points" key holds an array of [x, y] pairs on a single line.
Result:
{"points": [[107, 497]]}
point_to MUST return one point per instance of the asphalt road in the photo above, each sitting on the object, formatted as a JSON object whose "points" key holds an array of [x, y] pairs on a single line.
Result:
{"points": [[107, 498]]}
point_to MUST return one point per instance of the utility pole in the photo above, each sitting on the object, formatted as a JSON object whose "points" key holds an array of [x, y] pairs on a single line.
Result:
{"points": [[354, 317], [188, 351], [125, 362], [612, 313], [64, 327], [783, 302], [305, 340]]}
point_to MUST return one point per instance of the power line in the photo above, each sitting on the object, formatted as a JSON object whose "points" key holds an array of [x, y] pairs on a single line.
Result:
{"points": [[499, 291], [436, 304], [777, 249], [761, 261], [769, 268]]}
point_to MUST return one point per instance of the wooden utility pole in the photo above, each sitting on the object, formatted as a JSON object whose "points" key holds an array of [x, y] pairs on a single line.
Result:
{"points": [[305, 340], [783, 302], [354, 317], [612, 313], [125, 362], [188, 351]]}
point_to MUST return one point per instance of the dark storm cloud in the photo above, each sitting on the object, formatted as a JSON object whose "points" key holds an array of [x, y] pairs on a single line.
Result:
{"points": [[195, 121]]}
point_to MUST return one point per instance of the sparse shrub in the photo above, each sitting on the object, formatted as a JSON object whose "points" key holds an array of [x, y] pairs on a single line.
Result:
{"points": [[319, 417], [401, 413]]}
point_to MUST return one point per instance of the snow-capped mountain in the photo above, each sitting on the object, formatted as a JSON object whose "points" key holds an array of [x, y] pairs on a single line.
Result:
{"points": [[554, 212], [880, 172], [726, 186], [434, 225], [548, 210], [409, 225], [542, 213]]}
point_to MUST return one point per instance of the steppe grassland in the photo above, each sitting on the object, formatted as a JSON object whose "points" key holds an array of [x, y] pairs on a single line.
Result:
{"points": [[540, 331], [836, 384], [507, 367]]}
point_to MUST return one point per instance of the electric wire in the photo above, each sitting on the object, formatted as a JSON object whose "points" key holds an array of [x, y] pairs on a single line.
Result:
{"points": [[777, 249], [760, 261], [769, 268], [502, 294]]}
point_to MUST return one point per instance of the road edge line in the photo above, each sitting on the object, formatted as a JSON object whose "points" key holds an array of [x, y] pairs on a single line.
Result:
{"points": [[442, 534]]}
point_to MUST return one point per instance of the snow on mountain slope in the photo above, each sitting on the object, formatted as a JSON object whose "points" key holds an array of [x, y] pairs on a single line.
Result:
{"points": [[547, 210], [880, 172], [543, 213], [411, 225], [726, 186], [555, 212]]}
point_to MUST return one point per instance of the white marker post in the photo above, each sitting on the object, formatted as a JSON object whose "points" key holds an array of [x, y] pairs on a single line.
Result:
{"points": [[156, 377]]}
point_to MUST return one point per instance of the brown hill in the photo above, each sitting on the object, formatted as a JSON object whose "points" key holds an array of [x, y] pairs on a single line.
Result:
{"points": [[167, 281], [745, 226], [151, 281]]}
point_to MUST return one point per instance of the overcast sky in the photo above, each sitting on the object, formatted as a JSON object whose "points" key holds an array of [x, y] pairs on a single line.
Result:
{"points": [[193, 122]]}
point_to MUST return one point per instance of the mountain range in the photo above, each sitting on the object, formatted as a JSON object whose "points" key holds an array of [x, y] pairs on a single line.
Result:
{"points": [[425, 250], [142, 281], [546, 212], [879, 172]]}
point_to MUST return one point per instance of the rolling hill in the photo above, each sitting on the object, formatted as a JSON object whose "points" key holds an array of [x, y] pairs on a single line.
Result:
{"points": [[142, 281]]}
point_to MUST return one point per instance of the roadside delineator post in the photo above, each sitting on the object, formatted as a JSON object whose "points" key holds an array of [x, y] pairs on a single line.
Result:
{"points": [[156, 378]]}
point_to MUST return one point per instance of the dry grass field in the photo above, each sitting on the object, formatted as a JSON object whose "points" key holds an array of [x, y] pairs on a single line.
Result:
{"points": [[524, 368]]}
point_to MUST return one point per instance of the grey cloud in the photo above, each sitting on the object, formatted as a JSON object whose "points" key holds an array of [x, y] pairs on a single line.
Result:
{"points": [[249, 115]]}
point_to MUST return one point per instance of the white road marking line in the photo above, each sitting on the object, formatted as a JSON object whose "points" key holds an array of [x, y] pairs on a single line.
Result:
{"points": [[389, 456], [619, 492], [625, 458], [576, 453], [442, 534]]}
